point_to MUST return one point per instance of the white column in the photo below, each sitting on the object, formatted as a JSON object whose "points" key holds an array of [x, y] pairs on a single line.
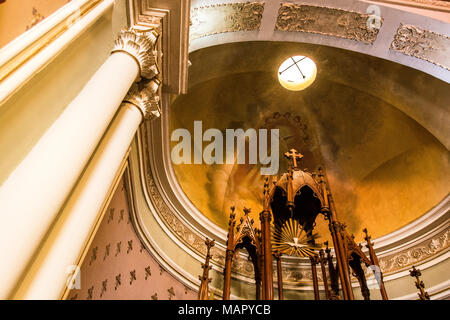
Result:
{"points": [[34, 193], [47, 278]]}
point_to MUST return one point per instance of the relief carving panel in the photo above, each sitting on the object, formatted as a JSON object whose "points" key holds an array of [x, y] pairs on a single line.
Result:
{"points": [[327, 21], [422, 44], [425, 250], [229, 17]]}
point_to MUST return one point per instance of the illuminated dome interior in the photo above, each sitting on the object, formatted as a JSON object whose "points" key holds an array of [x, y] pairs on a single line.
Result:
{"points": [[385, 168]]}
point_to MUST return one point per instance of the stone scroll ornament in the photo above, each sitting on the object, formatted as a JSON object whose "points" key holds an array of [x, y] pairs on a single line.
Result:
{"points": [[327, 21], [422, 44]]}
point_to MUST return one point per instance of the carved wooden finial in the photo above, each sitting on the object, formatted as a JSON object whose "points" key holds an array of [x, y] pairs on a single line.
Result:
{"points": [[322, 253], [366, 237], [205, 280], [266, 202], [320, 174], [232, 220], [266, 185], [209, 243], [415, 273], [314, 259], [327, 250]]}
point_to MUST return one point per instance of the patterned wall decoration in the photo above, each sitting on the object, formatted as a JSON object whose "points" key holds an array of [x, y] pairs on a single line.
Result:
{"points": [[327, 21], [229, 17], [16, 17], [423, 44], [439, 243], [117, 266]]}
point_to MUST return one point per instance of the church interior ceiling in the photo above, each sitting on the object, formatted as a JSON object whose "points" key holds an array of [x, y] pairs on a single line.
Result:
{"points": [[384, 165]]}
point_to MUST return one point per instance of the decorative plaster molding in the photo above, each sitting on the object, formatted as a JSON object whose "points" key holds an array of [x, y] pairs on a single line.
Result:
{"points": [[422, 44], [146, 100], [140, 45], [228, 17], [419, 253], [327, 21]]}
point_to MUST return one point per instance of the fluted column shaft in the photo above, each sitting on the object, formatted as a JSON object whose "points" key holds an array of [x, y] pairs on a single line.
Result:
{"points": [[32, 196]]}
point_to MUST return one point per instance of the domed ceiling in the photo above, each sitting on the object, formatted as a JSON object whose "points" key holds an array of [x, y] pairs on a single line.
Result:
{"points": [[359, 120]]}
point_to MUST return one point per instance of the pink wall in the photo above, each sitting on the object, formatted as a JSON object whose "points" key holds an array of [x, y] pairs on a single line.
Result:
{"points": [[118, 267]]}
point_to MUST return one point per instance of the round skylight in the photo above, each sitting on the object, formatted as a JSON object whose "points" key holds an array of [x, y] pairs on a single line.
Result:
{"points": [[297, 73]]}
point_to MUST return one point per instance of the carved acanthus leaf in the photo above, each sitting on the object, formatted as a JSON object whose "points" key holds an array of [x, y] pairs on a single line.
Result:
{"points": [[140, 45], [146, 99]]}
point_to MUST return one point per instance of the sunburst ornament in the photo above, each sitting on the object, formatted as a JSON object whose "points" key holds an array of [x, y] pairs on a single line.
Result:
{"points": [[290, 239]]}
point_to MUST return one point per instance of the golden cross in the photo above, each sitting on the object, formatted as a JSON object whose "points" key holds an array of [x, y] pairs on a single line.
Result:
{"points": [[293, 155]]}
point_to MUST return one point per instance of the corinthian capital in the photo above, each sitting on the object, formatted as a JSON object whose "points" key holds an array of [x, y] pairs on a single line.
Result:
{"points": [[140, 45], [146, 99]]}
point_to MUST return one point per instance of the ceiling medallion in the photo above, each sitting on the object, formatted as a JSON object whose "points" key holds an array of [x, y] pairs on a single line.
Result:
{"points": [[297, 73]]}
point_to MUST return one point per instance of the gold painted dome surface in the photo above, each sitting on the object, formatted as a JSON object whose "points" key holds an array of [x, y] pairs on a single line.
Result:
{"points": [[384, 168]]}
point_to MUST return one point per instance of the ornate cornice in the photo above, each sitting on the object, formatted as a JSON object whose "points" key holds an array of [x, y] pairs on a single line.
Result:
{"points": [[422, 44], [140, 45], [227, 17], [416, 254], [146, 99], [327, 21]]}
